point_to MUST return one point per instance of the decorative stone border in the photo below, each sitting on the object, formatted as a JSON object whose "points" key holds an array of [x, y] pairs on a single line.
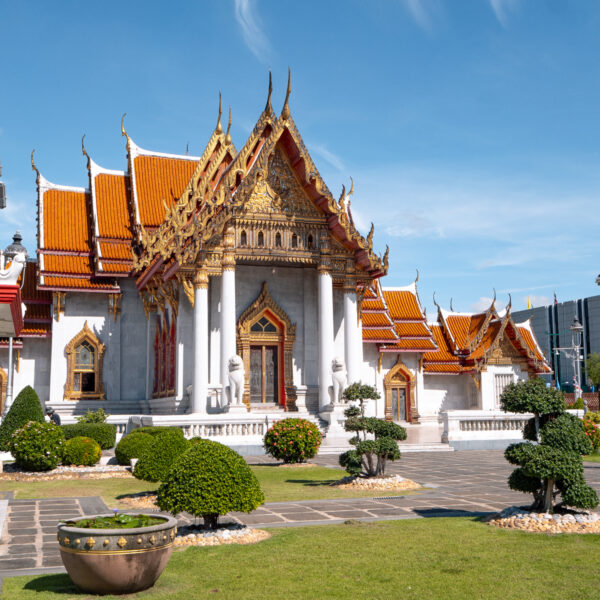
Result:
{"points": [[233, 533], [514, 517], [394, 482]]}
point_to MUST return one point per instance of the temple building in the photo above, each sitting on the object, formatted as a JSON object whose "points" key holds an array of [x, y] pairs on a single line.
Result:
{"points": [[221, 291]]}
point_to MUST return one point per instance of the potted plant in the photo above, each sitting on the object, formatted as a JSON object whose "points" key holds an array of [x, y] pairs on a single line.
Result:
{"points": [[118, 553]]}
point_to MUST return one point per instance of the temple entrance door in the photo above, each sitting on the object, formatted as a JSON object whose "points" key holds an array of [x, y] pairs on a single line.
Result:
{"points": [[264, 380], [398, 403]]}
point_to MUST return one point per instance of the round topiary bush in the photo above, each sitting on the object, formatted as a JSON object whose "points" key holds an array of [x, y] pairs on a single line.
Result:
{"points": [[156, 430], [209, 480], [81, 451], [25, 408], [293, 440], [156, 461], [132, 446], [37, 446], [103, 433]]}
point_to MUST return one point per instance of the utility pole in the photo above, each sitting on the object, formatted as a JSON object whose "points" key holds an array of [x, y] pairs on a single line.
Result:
{"points": [[574, 353]]}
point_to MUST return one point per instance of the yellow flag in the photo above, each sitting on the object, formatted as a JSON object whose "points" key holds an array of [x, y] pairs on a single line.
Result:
{"points": [[528, 302]]}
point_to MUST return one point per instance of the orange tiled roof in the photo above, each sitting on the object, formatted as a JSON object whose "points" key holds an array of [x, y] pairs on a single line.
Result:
{"points": [[376, 320], [158, 178], [411, 345], [378, 335], [403, 304], [419, 330], [444, 353], [442, 368], [38, 317], [65, 220]]}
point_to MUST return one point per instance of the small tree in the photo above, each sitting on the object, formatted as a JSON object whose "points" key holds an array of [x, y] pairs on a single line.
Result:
{"points": [[592, 370], [376, 440], [552, 465], [209, 480], [25, 408]]}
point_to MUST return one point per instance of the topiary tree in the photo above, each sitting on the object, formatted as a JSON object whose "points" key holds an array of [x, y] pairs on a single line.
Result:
{"points": [[37, 446], [156, 430], [159, 457], [209, 480], [81, 451], [132, 446], [104, 433], [293, 440], [25, 408], [552, 465], [361, 392], [375, 442]]}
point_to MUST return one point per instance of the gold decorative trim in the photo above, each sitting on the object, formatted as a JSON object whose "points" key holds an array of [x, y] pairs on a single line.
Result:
{"points": [[86, 334], [108, 552], [58, 304], [114, 305], [400, 376], [284, 339]]}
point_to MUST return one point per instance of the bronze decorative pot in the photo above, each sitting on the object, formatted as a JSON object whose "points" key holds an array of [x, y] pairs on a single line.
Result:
{"points": [[116, 561]]}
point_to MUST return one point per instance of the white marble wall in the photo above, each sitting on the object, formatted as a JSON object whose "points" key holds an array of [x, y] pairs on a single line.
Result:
{"points": [[443, 392]]}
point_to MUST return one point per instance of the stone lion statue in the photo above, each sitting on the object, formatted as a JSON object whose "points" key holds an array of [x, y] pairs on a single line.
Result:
{"points": [[338, 375], [236, 380]]}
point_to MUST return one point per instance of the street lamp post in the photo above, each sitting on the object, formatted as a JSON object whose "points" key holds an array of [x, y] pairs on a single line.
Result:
{"points": [[574, 353]]}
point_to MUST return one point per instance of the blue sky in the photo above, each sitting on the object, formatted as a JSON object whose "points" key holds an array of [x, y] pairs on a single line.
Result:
{"points": [[470, 127]]}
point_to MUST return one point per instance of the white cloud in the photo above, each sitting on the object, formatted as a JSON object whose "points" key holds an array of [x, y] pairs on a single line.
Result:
{"points": [[333, 159], [249, 22], [484, 303], [422, 11], [502, 8]]}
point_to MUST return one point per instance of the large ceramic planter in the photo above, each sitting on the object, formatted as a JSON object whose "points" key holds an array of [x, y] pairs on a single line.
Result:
{"points": [[116, 561]]}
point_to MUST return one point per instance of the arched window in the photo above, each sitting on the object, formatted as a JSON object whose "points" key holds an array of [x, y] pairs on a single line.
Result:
{"points": [[294, 241], [84, 366], [309, 242], [243, 239], [261, 239], [278, 240]]}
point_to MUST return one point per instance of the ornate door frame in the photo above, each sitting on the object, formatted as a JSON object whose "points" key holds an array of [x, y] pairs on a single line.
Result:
{"points": [[265, 306], [400, 376]]}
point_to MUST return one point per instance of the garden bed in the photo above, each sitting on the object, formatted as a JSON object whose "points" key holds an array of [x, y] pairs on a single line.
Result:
{"points": [[231, 533], [566, 522], [12, 472], [393, 482]]}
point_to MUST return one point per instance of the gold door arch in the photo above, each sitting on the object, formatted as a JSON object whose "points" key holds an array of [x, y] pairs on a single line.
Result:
{"points": [[398, 382], [3, 387], [283, 338]]}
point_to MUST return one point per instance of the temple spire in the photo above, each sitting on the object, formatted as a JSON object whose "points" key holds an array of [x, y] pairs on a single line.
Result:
{"points": [[268, 107], [285, 111], [228, 134], [219, 127], [34, 168], [84, 151]]}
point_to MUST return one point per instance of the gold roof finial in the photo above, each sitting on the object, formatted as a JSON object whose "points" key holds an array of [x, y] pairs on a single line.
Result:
{"points": [[187, 149], [509, 305], [228, 134], [435, 302], [123, 132], [84, 151], [386, 257], [219, 128], [342, 200], [370, 236], [451, 307], [285, 111], [351, 186], [494, 299], [268, 107], [34, 168], [417, 279]]}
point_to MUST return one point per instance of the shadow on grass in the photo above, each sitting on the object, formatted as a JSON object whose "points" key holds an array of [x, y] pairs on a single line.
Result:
{"points": [[452, 512], [313, 482], [57, 584]]}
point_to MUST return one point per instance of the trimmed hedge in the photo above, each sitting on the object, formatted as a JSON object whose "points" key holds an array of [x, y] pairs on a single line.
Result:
{"points": [[25, 408], [155, 430], [292, 440], [132, 446], [209, 480], [37, 446], [103, 433], [81, 451], [156, 462]]}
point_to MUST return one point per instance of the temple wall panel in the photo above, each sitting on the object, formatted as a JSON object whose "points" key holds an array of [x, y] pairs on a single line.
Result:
{"points": [[34, 367], [214, 307], [443, 392], [185, 345]]}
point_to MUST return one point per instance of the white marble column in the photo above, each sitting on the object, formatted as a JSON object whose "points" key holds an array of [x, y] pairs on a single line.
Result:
{"points": [[228, 322], [200, 380], [352, 336], [326, 339]]}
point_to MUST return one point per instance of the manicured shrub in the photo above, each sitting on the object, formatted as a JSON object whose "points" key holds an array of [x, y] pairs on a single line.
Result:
{"points": [[209, 480], [370, 456], [81, 451], [91, 416], [577, 404], [25, 408], [132, 446], [104, 433], [37, 446], [293, 440], [155, 430], [591, 427], [160, 456], [552, 465]]}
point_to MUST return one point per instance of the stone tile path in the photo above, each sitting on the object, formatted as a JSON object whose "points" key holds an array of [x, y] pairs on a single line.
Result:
{"points": [[462, 484]]}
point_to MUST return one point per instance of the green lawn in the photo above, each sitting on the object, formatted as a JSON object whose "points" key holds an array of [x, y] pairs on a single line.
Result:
{"points": [[278, 483], [592, 457], [423, 558]]}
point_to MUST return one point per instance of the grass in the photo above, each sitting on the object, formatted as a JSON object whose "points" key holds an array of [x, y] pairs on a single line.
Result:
{"points": [[424, 558], [278, 484], [592, 457]]}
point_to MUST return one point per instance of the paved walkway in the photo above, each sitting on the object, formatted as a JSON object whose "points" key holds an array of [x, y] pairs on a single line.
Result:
{"points": [[466, 483]]}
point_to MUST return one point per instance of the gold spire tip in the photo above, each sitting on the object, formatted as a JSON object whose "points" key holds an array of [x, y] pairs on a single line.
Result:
{"points": [[33, 166], [351, 187], [123, 132], [219, 127], [228, 134], [83, 150], [268, 107], [285, 111]]}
